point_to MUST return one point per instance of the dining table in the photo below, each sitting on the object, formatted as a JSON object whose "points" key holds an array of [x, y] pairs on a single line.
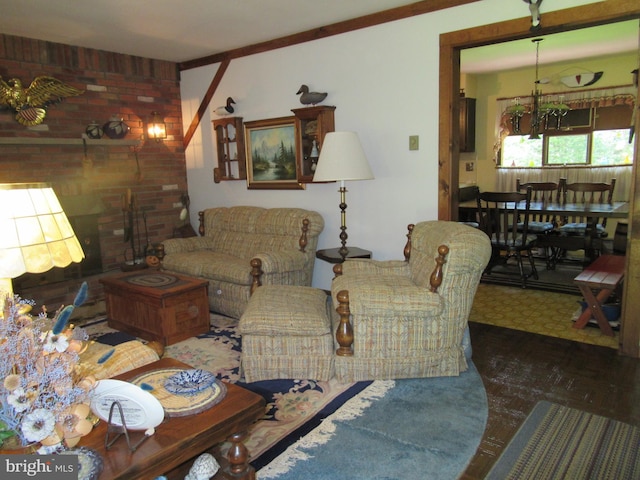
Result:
{"points": [[589, 210], [468, 211]]}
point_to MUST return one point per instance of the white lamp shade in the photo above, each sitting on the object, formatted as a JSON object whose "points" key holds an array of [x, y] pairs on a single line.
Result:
{"points": [[342, 158], [35, 232]]}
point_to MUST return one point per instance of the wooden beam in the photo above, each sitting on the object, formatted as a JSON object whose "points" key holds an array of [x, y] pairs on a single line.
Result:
{"points": [[205, 103], [398, 13]]}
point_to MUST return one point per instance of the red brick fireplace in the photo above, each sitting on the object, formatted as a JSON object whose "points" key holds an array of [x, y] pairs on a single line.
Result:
{"points": [[90, 177]]}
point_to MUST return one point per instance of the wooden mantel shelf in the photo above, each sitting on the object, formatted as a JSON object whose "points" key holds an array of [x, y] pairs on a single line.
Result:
{"points": [[66, 141]]}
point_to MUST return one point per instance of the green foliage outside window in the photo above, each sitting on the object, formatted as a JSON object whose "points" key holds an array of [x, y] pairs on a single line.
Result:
{"points": [[600, 147]]}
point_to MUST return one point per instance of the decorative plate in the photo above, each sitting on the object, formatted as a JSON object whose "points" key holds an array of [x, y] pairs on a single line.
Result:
{"points": [[89, 462], [142, 410], [189, 382], [198, 390]]}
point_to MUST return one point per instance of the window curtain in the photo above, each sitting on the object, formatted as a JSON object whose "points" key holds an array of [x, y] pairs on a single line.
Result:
{"points": [[506, 178], [603, 97]]}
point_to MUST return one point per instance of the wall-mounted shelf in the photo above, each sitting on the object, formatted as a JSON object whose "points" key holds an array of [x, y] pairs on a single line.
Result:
{"points": [[229, 133], [312, 124], [67, 141]]}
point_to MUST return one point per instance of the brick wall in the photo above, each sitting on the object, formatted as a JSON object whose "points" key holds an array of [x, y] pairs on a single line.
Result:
{"points": [[114, 84]]}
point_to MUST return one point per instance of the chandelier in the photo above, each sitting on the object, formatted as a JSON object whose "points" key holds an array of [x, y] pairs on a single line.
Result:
{"points": [[546, 113]]}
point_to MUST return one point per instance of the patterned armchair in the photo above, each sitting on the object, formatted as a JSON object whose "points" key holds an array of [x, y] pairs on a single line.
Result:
{"points": [[404, 319], [243, 247]]}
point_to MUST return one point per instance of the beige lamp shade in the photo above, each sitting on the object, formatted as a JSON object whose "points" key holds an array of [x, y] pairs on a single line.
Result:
{"points": [[342, 158], [35, 232]]}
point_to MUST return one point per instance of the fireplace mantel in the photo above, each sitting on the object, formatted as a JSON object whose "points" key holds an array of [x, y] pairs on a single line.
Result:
{"points": [[67, 141]]}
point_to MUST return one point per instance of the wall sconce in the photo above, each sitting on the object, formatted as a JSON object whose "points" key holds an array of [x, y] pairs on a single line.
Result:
{"points": [[157, 128]]}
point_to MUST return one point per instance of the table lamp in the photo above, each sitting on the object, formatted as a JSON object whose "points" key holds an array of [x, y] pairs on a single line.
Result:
{"points": [[35, 233], [342, 158]]}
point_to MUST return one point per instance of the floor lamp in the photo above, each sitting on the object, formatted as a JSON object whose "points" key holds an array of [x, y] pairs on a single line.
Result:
{"points": [[342, 158], [35, 233]]}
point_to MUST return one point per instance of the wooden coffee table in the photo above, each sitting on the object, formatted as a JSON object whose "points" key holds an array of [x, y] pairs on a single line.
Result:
{"points": [[177, 441], [157, 305]]}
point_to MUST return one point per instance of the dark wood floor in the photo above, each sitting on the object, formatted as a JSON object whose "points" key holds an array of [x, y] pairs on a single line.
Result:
{"points": [[519, 369]]}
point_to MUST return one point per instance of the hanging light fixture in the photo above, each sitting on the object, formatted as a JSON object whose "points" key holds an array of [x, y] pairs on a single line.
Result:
{"points": [[544, 112], [157, 128]]}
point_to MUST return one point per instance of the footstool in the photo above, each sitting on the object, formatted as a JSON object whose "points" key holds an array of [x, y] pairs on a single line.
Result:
{"points": [[286, 333]]}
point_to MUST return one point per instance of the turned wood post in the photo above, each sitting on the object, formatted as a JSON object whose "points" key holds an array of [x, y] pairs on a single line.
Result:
{"points": [[407, 247], [337, 269], [238, 457], [436, 277], [256, 273], [303, 238], [201, 223], [344, 332]]}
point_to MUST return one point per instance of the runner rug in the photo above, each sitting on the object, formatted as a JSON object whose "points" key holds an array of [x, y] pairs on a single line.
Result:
{"points": [[557, 442], [444, 417]]}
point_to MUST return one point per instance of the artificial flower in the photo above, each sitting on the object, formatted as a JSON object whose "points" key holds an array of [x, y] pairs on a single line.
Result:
{"points": [[41, 379], [55, 342], [38, 425], [19, 400], [11, 382]]}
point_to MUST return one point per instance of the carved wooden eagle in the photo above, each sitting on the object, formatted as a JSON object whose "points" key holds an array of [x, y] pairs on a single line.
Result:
{"points": [[30, 103]]}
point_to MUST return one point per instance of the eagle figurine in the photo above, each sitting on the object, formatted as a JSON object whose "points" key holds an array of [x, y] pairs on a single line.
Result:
{"points": [[30, 103]]}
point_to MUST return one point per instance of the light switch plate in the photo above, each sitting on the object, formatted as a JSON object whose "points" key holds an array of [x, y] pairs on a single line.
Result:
{"points": [[414, 142]]}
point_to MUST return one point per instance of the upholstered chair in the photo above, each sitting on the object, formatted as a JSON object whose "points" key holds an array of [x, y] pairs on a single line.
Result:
{"points": [[403, 319]]}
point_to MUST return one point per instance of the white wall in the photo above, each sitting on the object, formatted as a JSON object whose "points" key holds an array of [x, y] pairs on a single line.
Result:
{"points": [[384, 82]]}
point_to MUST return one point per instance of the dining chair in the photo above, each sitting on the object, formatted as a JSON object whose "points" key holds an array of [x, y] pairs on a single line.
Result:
{"points": [[498, 213], [543, 192], [580, 232], [544, 224]]}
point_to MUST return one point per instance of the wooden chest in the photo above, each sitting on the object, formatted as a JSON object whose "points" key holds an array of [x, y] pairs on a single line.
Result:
{"points": [[156, 305]]}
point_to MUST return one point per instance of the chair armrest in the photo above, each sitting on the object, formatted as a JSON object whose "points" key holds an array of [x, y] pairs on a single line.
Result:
{"points": [[281, 261], [183, 245], [383, 295], [380, 267], [399, 301]]}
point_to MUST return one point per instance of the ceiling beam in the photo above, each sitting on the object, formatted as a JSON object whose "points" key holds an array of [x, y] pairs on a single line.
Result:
{"points": [[398, 13]]}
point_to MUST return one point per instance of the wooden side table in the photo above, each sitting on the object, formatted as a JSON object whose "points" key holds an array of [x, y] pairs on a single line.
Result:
{"points": [[332, 255], [604, 275]]}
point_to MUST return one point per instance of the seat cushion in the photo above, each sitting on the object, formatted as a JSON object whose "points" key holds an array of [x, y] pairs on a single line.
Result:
{"points": [[580, 229], [537, 227], [510, 242], [286, 310]]}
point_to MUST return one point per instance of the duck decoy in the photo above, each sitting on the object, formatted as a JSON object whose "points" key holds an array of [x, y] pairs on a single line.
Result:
{"points": [[225, 109], [310, 98]]}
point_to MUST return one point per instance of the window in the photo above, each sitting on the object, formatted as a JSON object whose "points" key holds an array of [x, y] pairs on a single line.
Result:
{"points": [[598, 148], [588, 136]]}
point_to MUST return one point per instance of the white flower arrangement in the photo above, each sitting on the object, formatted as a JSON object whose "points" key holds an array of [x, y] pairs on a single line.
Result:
{"points": [[43, 394]]}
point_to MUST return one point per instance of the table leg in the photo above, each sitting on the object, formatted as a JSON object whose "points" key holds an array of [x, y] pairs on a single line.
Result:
{"points": [[238, 457], [594, 303]]}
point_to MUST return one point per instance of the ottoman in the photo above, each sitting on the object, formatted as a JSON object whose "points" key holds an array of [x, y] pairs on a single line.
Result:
{"points": [[286, 333]]}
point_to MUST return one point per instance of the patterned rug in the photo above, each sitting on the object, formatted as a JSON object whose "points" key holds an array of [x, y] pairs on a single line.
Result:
{"points": [[535, 311], [557, 442], [294, 407]]}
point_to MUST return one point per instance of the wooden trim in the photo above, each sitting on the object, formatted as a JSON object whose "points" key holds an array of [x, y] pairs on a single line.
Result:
{"points": [[398, 13], [205, 103], [608, 11]]}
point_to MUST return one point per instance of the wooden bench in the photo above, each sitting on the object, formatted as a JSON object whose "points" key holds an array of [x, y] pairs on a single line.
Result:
{"points": [[604, 275]]}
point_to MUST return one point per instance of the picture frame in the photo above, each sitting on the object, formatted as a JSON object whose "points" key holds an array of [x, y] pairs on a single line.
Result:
{"points": [[271, 154]]}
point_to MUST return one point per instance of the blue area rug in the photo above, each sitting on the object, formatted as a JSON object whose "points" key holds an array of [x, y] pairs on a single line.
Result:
{"points": [[409, 429], [421, 429]]}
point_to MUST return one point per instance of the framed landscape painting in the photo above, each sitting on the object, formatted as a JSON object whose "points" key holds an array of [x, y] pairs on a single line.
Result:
{"points": [[271, 154]]}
